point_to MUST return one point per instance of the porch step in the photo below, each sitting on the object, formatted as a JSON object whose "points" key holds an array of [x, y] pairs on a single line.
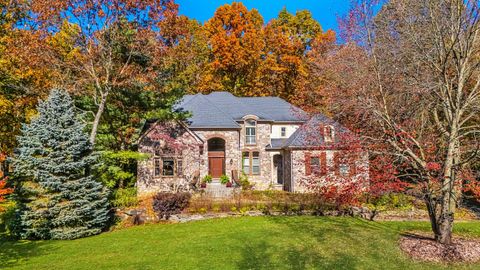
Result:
{"points": [[217, 190]]}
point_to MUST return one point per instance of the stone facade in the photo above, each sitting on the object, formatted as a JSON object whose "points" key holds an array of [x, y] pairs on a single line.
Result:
{"points": [[188, 150], [192, 149], [298, 178], [232, 158], [263, 180]]}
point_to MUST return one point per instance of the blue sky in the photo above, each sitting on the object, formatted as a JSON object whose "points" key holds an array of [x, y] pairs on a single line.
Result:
{"points": [[324, 11]]}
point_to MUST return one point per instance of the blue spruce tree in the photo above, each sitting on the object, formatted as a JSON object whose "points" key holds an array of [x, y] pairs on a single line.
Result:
{"points": [[56, 195]]}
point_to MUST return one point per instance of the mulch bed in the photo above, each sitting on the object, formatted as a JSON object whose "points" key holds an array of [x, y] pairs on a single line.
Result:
{"points": [[425, 248]]}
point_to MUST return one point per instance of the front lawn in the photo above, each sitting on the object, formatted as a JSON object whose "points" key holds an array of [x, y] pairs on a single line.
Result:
{"points": [[232, 243]]}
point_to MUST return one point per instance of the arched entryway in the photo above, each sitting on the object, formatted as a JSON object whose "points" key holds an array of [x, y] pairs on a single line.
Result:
{"points": [[216, 157]]}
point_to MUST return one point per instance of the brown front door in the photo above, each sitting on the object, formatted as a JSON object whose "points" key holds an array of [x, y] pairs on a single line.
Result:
{"points": [[215, 165]]}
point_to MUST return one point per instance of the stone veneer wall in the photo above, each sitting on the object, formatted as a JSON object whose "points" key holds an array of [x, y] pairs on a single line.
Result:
{"points": [[298, 167], [147, 183], [264, 179], [231, 149], [297, 162]]}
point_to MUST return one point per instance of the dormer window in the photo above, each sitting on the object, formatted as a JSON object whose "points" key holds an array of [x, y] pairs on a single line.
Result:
{"points": [[328, 133], [250, 132], [283, 131]]}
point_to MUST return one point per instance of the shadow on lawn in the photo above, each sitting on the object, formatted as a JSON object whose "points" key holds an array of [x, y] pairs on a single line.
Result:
{"points": [[13, 253], [263, 255]]}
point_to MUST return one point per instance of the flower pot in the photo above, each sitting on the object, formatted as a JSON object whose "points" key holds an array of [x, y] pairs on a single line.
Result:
{"points": [[203, 185], [229, 184]]}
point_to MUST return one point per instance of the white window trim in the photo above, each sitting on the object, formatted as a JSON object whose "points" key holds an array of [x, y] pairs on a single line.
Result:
{"points": [[329, 137], [255, 137]]}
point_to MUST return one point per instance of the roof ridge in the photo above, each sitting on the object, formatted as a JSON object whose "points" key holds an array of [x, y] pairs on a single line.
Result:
{"points": [[240, 99]]}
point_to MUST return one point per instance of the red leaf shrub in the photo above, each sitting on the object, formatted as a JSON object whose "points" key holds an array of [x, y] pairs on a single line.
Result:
{"points": [[166, 204], [3, 190]]}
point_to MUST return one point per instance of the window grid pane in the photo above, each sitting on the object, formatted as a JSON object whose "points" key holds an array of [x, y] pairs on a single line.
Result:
{"points": [[255, 163], [246, 163], [168, 167], [315, 165]]}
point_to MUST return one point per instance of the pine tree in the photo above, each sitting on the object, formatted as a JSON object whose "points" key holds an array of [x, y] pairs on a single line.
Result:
{"points": [[57, 196]]}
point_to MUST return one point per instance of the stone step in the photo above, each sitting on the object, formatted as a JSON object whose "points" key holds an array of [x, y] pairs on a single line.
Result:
{"points": [[217, 190]]}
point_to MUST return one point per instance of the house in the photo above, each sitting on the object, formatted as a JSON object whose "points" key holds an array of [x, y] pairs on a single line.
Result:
{"points": [[275, 144]]}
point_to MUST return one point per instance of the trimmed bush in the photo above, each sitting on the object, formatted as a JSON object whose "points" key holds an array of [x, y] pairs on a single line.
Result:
{"points": [[166, 204]]}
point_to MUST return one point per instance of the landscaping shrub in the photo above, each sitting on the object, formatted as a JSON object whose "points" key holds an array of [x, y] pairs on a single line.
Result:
{"points": [[267, 202], [166, 204], [244, 183], [125, 197], [392, 201], [224, 179], [207, 179]]}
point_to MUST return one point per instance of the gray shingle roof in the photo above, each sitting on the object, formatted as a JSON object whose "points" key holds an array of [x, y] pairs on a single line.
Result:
{"points": [[223, 110], [276, 143], [309, 134]]}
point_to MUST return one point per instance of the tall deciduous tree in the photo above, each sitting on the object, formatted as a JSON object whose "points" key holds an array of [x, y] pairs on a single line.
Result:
{"points": [[57, 197], [288, 39], [236, 38], [115, 41], [421, 95]]}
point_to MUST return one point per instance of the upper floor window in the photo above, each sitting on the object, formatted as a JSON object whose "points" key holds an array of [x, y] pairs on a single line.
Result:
{"points": [[328, 133], [283, 131], [250, 132]]}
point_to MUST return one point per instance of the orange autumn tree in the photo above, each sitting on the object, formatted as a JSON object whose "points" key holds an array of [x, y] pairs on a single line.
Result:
{"points": [[288, 39], [4, 190], [236, 39], [22, 78], [185, 55]]}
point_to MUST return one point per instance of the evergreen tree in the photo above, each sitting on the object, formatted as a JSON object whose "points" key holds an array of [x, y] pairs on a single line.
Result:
{"points": [[57, 196]]}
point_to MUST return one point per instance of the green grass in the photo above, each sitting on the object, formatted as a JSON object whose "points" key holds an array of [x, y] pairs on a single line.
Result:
{"points": [[233, 243]]}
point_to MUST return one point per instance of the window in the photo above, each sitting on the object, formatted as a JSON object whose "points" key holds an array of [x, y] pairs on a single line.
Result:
{"points": [[167, 163], [328, 133], [283, 131], [168, 166], [250, 132], [315, 165], [246, 162], [255, 163], [344, 169], [251, 162]]}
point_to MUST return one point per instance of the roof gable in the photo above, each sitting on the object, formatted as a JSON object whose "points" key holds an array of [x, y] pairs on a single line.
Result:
{"points": [[310, 134]]}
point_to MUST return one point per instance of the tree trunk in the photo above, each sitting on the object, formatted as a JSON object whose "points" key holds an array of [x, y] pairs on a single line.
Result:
{"points": [[445, 226], [98, 115], [448, 202]]}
